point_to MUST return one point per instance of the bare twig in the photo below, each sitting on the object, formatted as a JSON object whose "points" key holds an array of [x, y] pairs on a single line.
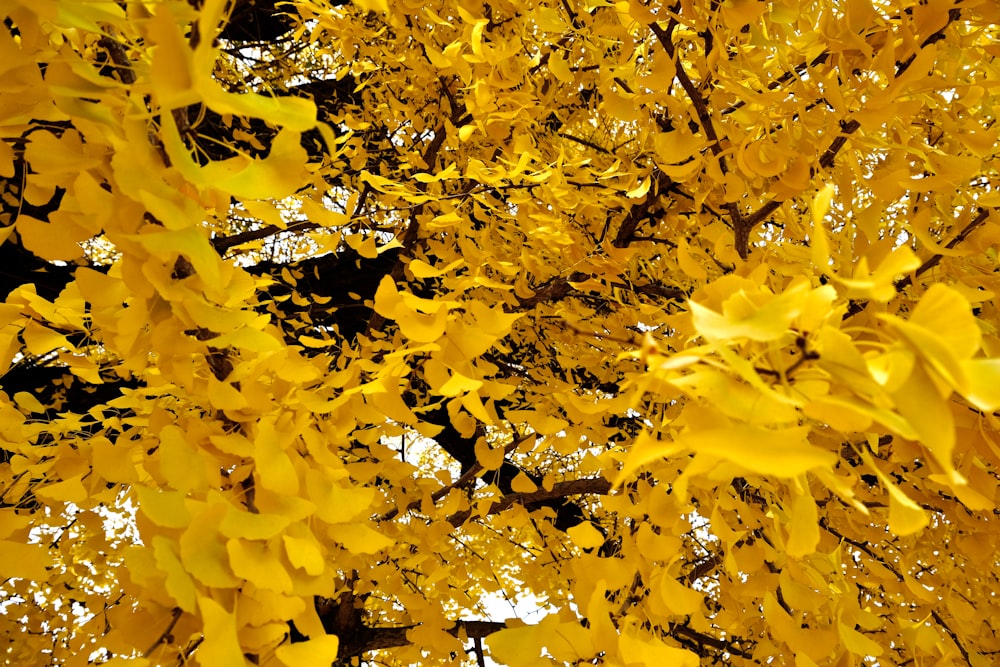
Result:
{"points": [[460, 483], [165, 635], [576, 487]]}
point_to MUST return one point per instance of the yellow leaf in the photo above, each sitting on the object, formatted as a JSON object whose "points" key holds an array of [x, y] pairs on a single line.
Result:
{"points": [[676, 147], [585, 535], [170, 71], [922, 405], [522, 484], [69, 490], [25, 561], [803, 525], [905, 516], [305, 554], [164, 508], [458, 384], [178, 583], [566, 641], [490, 458], [359, 538], [948, 314], [335, 502], [274, 467], [202, 551], [783, 452], [252, 525], [220, 645], [315, 652], [636, 649], [374, 5], [679, 598], [818, 241], [761, 317], [180, 461], [620, 106], [640, 190], [255, 562], [296, 114], [113, 462], [880, 283], [51, 241], [421, 269], [28, 402], [404, 309], [982, 378], [224, 396], [857, 643]]}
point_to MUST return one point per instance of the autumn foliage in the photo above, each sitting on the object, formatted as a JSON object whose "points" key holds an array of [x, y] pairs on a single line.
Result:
{"points": [[546, 332]]}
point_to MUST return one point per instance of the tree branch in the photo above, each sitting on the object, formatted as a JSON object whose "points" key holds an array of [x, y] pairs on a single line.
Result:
{"points": [[934, 260], [826, 160], [576, 487], [374, 639]]}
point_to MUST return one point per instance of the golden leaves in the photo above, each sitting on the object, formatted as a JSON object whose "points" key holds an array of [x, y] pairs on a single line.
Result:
{"points": [[798, 438]]}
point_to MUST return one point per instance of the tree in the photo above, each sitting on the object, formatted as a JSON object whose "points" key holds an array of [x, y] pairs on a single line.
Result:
{"points": [[329, 322]]}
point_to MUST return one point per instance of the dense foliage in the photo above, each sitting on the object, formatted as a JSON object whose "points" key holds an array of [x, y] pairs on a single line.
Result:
{"points": [[348, 331]]}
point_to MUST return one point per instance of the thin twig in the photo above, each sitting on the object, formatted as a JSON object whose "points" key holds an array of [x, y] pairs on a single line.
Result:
{"points": [[826, 160], [936, 258], [460, 483], [165, 635], [576, 487]]}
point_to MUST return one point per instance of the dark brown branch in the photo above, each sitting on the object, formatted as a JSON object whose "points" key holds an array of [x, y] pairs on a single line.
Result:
{"points": [[936, 258], [584, 142], [665, 37], [118, 55], [856, 307], [782, 80], [576, 487], [224, 243], [705, 640], [460, 483], [954, 637]]}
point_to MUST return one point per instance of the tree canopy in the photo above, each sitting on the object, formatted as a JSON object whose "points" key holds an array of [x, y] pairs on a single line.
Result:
{"points": [[546, 332]]}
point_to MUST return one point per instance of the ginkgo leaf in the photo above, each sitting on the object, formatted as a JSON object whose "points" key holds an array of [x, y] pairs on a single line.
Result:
{"points": [[523, 484], [982, 386], [275, 467], [905, 516], [314, 652], [202, 551], [179, 584], [586, 535], [568, 641], [636, 649], [220, 645], [679, 598], [255, 562], [879, 284], [490, 458], [360, 538], [803, 526], [25, 561], [305, 554]]}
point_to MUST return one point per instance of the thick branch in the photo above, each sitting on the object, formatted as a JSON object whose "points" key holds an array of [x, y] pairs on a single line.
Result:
{"points": [[576, 487]]}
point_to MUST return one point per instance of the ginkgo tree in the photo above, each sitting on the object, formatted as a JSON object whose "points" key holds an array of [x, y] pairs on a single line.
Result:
{"points": [[347, 331]]}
